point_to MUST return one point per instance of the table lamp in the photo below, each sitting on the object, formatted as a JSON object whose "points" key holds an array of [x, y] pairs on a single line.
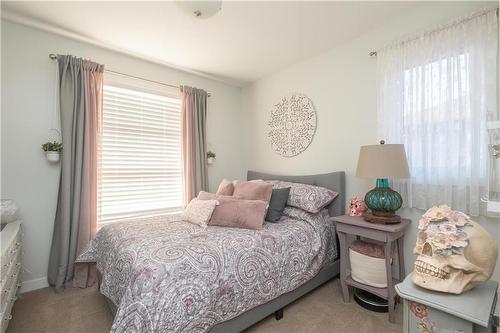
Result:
{"points": [[382, 162]]}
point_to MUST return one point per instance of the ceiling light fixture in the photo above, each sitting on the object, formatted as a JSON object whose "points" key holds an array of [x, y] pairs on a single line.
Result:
{"points": [[200, 9]]}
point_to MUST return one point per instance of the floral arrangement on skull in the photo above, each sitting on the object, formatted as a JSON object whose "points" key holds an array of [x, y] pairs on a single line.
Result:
{"points": [[357, 207], [455, 254]]}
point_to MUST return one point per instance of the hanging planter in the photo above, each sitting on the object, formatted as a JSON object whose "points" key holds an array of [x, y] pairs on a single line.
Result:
{"points": [[52, 151], [210, 157]]}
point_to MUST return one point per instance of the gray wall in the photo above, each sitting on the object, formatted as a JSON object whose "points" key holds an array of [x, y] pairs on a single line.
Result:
{"points": [[28, 78], [342, 86], [341, 83]]}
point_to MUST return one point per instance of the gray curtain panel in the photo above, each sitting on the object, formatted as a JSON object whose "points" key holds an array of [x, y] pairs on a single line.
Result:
{"points": [[80, 102], [194, 142]]}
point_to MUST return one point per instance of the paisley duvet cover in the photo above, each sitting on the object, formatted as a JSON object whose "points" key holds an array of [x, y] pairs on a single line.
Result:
{"points": [[166, 275]]}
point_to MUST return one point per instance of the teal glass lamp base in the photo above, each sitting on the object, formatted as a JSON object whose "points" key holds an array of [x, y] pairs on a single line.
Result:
{"points": [[382, 200]]}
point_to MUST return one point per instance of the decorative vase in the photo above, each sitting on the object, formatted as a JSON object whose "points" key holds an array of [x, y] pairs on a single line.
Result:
{"points": [[52, 156], [382, 200], [210, 160]]}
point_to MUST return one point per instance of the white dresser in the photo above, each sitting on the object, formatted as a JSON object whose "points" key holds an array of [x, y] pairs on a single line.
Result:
{"points": [[10, 271]]}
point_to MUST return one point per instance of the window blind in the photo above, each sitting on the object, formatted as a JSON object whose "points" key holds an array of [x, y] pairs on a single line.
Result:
{"points": [[140, 155]]}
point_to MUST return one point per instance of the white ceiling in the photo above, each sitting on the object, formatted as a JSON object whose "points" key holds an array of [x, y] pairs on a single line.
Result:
{"points": [[245, 41]]}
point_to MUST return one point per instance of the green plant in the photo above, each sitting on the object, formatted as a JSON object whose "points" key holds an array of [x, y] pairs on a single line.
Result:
{"points": [[52, 146], [211, 154]]}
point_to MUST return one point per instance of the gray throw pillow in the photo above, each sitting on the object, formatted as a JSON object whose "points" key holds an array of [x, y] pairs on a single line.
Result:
{"points": [[307, 197], [277, 204]]}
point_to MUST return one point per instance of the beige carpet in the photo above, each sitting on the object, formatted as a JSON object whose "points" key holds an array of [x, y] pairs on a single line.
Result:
{"points": [[85, 310]]}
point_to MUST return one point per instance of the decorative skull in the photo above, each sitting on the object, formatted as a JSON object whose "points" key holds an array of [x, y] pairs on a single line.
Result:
{"points": [[455, 254], [357, 207]]}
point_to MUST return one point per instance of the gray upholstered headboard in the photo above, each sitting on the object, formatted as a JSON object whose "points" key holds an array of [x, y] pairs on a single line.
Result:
{"points": [[334, 181]]}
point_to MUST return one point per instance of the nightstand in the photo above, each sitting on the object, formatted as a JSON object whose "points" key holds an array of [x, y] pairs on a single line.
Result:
{"points": [[385, 233]]}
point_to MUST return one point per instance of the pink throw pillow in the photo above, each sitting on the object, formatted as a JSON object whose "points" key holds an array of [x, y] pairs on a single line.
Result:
{"points": [[236, 213], [226, 187], [253, 190]]}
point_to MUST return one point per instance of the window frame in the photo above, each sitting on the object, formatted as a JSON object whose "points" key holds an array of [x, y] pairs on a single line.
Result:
{"points": [[140, 86]]}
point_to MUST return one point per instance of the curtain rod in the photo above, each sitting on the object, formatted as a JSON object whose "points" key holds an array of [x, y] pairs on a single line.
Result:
{"points": [[374, 53], [54, 57]]}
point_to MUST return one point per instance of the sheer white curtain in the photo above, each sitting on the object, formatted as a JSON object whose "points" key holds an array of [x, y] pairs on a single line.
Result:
{"points": [[435, 95]]}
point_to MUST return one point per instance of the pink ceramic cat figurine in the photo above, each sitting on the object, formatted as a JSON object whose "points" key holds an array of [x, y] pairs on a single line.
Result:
{"points": [[357, 207]]}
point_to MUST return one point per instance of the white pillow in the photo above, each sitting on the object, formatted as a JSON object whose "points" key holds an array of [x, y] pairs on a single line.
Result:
{"points": [[199, 211]]}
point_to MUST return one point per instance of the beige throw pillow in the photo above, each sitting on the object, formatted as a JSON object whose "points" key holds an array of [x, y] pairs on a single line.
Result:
{"points": [[199, 211]]}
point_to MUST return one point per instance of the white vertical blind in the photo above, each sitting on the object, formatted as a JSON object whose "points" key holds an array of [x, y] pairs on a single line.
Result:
{"points": [[140, 155]]}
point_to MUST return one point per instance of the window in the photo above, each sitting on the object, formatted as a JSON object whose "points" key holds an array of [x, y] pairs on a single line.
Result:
{"points": [[437, 107], [436, 94], [140, 155]]}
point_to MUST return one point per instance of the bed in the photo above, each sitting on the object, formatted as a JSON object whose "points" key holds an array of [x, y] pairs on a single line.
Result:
{"points": [[162, 274]]}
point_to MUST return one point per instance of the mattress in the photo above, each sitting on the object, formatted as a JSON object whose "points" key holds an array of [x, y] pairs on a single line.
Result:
{"points": [[167, 275]]}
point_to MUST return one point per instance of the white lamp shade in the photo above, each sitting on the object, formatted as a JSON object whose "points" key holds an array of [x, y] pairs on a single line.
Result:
{"points": [[382, 161]]}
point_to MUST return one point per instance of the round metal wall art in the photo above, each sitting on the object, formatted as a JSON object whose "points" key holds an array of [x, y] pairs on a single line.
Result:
{"points": [[292, 124]]}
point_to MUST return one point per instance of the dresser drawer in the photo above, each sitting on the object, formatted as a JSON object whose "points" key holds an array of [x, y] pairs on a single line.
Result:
{"points": [[10, 269], [10, 254], [10, 287], [10, 298], [6, 315]]}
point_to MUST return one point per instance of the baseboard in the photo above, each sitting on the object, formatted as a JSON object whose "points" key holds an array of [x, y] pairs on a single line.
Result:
{"points": [[34, 284]]}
